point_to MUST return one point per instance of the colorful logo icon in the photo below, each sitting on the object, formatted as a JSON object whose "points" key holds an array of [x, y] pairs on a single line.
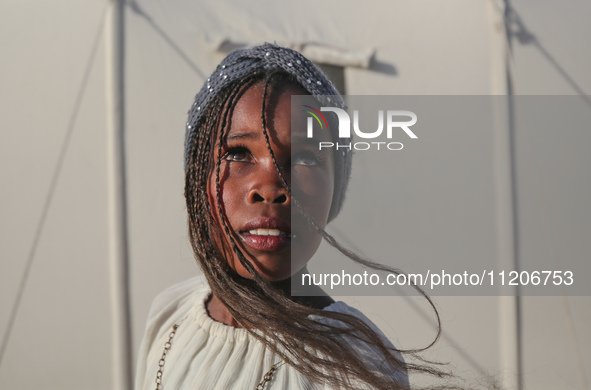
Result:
{"points": [[316, 114]]}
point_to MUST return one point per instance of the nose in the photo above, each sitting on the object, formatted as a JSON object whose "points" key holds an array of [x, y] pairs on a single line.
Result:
{"points": [[267, 187]]}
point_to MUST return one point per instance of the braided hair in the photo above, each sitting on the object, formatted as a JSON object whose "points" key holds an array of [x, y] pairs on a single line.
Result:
{"points": [[294, 330]]}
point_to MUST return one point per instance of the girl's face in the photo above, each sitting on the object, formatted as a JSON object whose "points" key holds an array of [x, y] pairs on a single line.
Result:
{"points": [[257, 206]]}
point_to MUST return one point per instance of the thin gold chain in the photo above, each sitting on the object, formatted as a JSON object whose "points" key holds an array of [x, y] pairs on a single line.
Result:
{"points": [[162, 359], [266, 378]]}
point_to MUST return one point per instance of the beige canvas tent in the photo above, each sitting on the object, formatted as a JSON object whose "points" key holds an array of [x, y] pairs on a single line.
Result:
{"points": [[93, 226]]}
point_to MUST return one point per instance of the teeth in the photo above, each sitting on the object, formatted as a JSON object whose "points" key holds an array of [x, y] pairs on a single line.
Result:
{"points": [[267, 232]]}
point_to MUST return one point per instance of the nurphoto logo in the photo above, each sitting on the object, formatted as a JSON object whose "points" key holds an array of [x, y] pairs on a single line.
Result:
{"points": [[395, 120]]}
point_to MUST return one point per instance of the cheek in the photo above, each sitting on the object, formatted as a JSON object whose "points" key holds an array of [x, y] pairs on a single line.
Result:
{"points": [[232, 192], [314, 192], [212, 197], [229, 208], [213, 204], [315, 197]]}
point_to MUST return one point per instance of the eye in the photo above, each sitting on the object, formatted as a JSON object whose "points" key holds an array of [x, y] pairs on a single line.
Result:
{"points": [[238, 154], [306, 158]]}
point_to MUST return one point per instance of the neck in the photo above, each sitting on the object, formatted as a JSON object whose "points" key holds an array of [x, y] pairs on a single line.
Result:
{"points": [[219, 312]]}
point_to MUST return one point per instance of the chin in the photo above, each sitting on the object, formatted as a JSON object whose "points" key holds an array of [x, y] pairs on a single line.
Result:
{"points": [[274, 274], [271, 272]]}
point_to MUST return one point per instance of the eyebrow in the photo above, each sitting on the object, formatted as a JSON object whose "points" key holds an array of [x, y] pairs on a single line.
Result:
{"points": [[306, 140], [257, 135], [251, 135]]}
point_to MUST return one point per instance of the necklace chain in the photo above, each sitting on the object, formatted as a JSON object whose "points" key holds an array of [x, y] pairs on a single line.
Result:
{"points": [[162, 359], [266, 378]]}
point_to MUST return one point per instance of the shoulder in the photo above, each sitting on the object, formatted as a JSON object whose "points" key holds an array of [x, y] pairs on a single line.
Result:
{"points": [[177, 296], [369, 352], [170, 307]]}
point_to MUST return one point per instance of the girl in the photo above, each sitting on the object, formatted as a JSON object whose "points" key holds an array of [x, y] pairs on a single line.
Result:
{"points": [[238, 327]]}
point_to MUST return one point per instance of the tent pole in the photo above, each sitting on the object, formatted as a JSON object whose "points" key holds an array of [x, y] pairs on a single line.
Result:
{"points": [[510, 332], [118, 240]]}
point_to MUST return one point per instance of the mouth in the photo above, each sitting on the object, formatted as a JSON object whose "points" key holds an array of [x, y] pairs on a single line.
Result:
{"points": [[266, 234]]}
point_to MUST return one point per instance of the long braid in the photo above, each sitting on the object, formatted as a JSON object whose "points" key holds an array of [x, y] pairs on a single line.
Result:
{"points": [[220, 206], [329, 238]]}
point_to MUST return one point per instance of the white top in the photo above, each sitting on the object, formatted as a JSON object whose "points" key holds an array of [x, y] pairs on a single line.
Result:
{"points": [[208, 355]]}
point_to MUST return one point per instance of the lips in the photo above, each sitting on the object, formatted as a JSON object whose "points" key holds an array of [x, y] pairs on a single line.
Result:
{"points": [[266, 234]]}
